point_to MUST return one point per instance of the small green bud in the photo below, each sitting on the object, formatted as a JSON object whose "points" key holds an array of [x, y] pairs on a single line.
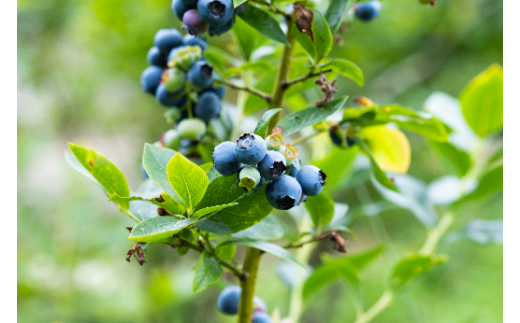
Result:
{"points": [[172, 139], [191, 129], [186, 57], [248, 178], [274, 141], [174, 79]]}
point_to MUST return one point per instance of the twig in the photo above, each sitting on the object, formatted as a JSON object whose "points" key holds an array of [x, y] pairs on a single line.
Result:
{"points": [[286, 84], [251, 90], [304, 139], [301, 244]]}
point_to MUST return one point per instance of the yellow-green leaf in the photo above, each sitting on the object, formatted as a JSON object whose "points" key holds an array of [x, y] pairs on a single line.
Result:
{"points": [[187, 179]]}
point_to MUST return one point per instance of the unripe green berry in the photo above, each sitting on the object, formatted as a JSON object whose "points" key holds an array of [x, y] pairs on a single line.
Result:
{"points": [[192, 128], [172, 139], [274, 141], [172, 114], [248, 178], [174, 79], [186, 56]]}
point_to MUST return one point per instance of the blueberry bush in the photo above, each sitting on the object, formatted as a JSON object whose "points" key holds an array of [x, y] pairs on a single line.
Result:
{"points": [[214, 182]]}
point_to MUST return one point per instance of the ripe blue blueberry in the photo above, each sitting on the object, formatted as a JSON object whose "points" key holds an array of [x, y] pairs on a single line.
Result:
{"points": [[167, 39], [224, 159], [272, 166], [191, 40], [227, 301], [201, 74], [221, 29], [220, 91], [261, 317], [156, 57], [311, 179], [283, 193], [250, 149], [208, 107], [193, 23], [367, 10], [216, 13], [151, 78], [169, 99], [179, 8]]}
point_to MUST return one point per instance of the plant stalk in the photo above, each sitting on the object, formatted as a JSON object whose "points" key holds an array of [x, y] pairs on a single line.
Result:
{"points": [[245, 307], [279, 90]]}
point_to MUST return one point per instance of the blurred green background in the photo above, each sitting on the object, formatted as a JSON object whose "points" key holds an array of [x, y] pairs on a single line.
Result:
{"points": [[79, 64]]}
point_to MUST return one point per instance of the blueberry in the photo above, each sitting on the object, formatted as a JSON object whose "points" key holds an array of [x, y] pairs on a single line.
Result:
{"points": [[190, 2], [227, 301], [192, 128], [248, 178], [259, 304], [283, 193], [144, 173], [174, 79], [172, 139], [311, 179], [224, 159], [191, 40], [222, 29], [208, 107], [169, 99], [272, 166], [179, 8], [151, 78], [172, 114], [220, 91], [367, 10], [216, 13], [167, 39], [261, 317], [156, 57], [201, 74], [193, 23], [250, 149], [336, 138]]}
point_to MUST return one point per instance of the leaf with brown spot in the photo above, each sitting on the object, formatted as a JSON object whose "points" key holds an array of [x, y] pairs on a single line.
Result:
{"points": [[304, 18]]}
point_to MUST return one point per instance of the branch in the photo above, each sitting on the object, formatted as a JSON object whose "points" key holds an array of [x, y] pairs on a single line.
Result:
{"points": [[302, 243], [251, 90], [274, 9], [286, 84]]}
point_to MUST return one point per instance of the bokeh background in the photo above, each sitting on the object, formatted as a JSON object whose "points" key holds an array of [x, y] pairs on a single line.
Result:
{"points": [[79, 64]]}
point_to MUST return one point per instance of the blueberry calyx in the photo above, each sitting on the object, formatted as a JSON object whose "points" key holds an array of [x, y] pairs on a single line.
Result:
{"points": [[216, 9], [286, 202], [206, 71], [245, 141], [322, 177], [277, 169]]}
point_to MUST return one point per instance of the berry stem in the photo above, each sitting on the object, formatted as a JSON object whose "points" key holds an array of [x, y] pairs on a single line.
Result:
{"points": [[245, 307], [311, 74], [279, 90]]}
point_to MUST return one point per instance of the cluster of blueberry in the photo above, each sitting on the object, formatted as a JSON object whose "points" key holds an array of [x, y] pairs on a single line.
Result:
{"points": [[367, 10], [228, 299], [181, 80], [269, 160], [198, 16]]}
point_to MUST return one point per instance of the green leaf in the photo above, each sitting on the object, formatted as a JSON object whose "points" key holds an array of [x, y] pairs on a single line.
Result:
{"points": [[453, 157], [415, 265], [321, 209], [74, 163], [319, 46], [248, 38], [187, 179], [143, 210], [206, 167], [254, 103], [215, 61], [427, 126], [389, 147], [167, 202], [338, 165], [269, 247], [298, 120], [237, 3], [335, 12], [489, 184], [159, 228], [345, 68], [207, 272], [319, 279], [267, 229], [358, 260], [482, 101], [379, 175], [263, 23], [261, 126], [155, 160], [212, 209], [205, 149], [104, 171], [252, 207], [226, 251]]}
